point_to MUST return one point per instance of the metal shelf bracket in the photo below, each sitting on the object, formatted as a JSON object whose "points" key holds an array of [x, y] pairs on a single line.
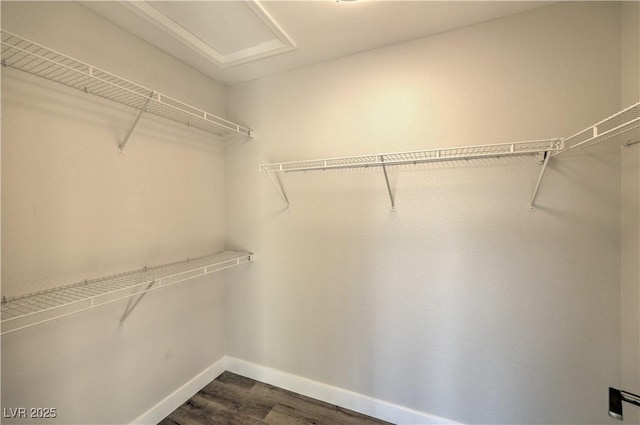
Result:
{"points": [[135, 123], [386, 179], [277, 184], [132, 304], [547, 157]]}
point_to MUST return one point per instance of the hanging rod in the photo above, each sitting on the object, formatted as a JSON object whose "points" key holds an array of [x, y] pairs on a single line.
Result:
{"points": [[32, 309], [36, 59]]}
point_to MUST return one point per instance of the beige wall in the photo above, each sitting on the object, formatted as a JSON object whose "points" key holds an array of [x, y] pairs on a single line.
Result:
{"points": [[72, 208], [462, 303], [630, 228]]}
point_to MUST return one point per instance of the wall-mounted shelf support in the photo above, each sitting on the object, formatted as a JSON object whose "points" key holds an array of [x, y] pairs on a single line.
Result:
{"points": [[278, 186], [133, 303], [135, 123], [547, 157], [532, 147], [386, 179], [24, 311]]}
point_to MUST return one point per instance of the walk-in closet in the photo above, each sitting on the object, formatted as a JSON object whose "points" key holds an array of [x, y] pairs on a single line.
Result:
{"points": [[330, 212]]}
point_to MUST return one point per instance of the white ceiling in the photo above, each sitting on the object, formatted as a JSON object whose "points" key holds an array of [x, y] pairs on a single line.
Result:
{"points": [[235, 41]]}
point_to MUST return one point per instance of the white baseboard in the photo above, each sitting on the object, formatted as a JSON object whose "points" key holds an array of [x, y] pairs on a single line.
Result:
{"points": [[357, 402], [360, 403], [182, 394]]}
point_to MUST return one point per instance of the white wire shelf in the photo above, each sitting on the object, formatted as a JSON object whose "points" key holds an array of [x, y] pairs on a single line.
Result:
{"points": [[618, 128], [623, 126], [33, 58], [415, 157], [32, 309]]}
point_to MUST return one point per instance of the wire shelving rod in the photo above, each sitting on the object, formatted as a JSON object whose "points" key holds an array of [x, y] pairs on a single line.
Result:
{"points": [[36, 59], [415, 157], [626, 122], [531, 147], [40, 307]]}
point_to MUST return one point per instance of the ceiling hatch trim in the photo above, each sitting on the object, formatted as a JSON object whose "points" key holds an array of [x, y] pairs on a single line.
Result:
{"points": [[280, 43]]}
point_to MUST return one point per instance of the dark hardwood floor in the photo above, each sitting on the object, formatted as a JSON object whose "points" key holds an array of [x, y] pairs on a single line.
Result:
{"points": [[235, 400]]}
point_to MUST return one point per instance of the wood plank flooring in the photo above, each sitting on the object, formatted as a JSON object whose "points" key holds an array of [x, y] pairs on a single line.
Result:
{"points": [[235, 400]]}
